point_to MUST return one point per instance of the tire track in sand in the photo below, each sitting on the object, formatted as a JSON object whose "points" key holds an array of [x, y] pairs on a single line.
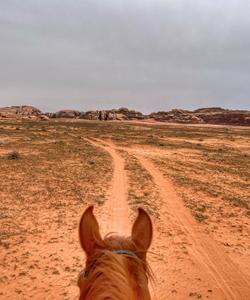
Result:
{"points": [[211, 258], [213, 263], [114, 214], [116, 211]]}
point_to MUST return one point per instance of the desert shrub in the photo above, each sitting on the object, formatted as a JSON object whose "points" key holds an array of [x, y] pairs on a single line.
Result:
{"points": [[13, 155]]}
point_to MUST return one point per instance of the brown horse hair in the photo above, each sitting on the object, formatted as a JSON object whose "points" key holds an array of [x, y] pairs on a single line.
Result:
{"points": [[114, 276]]}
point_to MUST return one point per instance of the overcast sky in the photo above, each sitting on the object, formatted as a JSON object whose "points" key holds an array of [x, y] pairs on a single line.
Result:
{"points": [[148, 55]]}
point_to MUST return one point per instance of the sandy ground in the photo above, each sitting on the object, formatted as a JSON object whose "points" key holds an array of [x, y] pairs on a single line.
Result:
{"points": [[114, 214], [208, 265], [188, 261]]}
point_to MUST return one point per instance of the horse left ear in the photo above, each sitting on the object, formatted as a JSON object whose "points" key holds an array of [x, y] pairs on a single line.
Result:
{"points": [[142, 231], [89, 233]]}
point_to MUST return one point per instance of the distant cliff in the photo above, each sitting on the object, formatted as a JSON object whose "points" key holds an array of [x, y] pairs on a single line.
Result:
{"points": [[212, 115]]}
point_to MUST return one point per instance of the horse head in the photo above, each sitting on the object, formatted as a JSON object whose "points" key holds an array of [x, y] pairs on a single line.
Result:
{"points": [[116, 266]]}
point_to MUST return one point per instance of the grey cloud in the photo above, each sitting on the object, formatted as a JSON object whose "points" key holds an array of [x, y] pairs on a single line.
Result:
{"points": [[145, 54]]}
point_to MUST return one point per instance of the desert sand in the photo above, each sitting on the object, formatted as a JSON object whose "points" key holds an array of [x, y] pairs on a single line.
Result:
{"points": [[193, 180]]}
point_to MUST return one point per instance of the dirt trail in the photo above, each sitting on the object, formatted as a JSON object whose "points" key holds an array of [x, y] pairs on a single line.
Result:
{"points": [[114, 215], [207, 266], [211, 258]]}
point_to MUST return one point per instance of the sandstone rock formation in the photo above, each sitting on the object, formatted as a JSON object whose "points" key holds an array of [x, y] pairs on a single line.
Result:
{"points": [[209, 110], [14, 111], [66, 113], [227, 117], [102, 115], [213, 115], [114, 114], [44, 117], [177, 116], [22, 112]]}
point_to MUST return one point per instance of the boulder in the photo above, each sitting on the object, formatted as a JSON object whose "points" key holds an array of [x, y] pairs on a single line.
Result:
{"points": [[66, 113], [89, 115], [44, 117]]}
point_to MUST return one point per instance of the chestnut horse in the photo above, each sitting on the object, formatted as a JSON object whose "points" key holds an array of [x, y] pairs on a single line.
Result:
{"points": [[116, 267]]}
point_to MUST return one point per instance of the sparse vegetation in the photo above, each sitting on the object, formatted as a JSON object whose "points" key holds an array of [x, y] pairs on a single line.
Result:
{"points": [[43, 193], [142, 191], [13, 155], [60, 172]]}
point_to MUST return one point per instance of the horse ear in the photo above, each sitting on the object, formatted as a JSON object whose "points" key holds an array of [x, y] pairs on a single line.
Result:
{"points": [[142, 231], [89, 232]]}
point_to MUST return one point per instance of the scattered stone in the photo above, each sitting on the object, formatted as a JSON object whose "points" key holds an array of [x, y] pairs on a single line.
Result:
{"points": [[195, 294]]}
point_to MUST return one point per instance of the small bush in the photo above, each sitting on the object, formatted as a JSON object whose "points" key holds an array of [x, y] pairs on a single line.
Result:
{"points": [[200, 216], [13, 155]]}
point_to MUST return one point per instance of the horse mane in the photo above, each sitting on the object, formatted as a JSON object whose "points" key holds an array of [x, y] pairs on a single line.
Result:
{"points": [[112, 276]]}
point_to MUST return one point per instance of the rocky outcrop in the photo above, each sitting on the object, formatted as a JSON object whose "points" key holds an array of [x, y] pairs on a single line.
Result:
{"points": [[114, 114], [14, 111], [101, 115], [214, 115], [177, 116], [66, 113], [22, 112], [130, 114], [226, 117], [209, 110], [44, 117]]}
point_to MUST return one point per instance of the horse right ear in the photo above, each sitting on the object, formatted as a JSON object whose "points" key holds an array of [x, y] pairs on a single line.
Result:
{"points": [[89, 233], [142, 232]]}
